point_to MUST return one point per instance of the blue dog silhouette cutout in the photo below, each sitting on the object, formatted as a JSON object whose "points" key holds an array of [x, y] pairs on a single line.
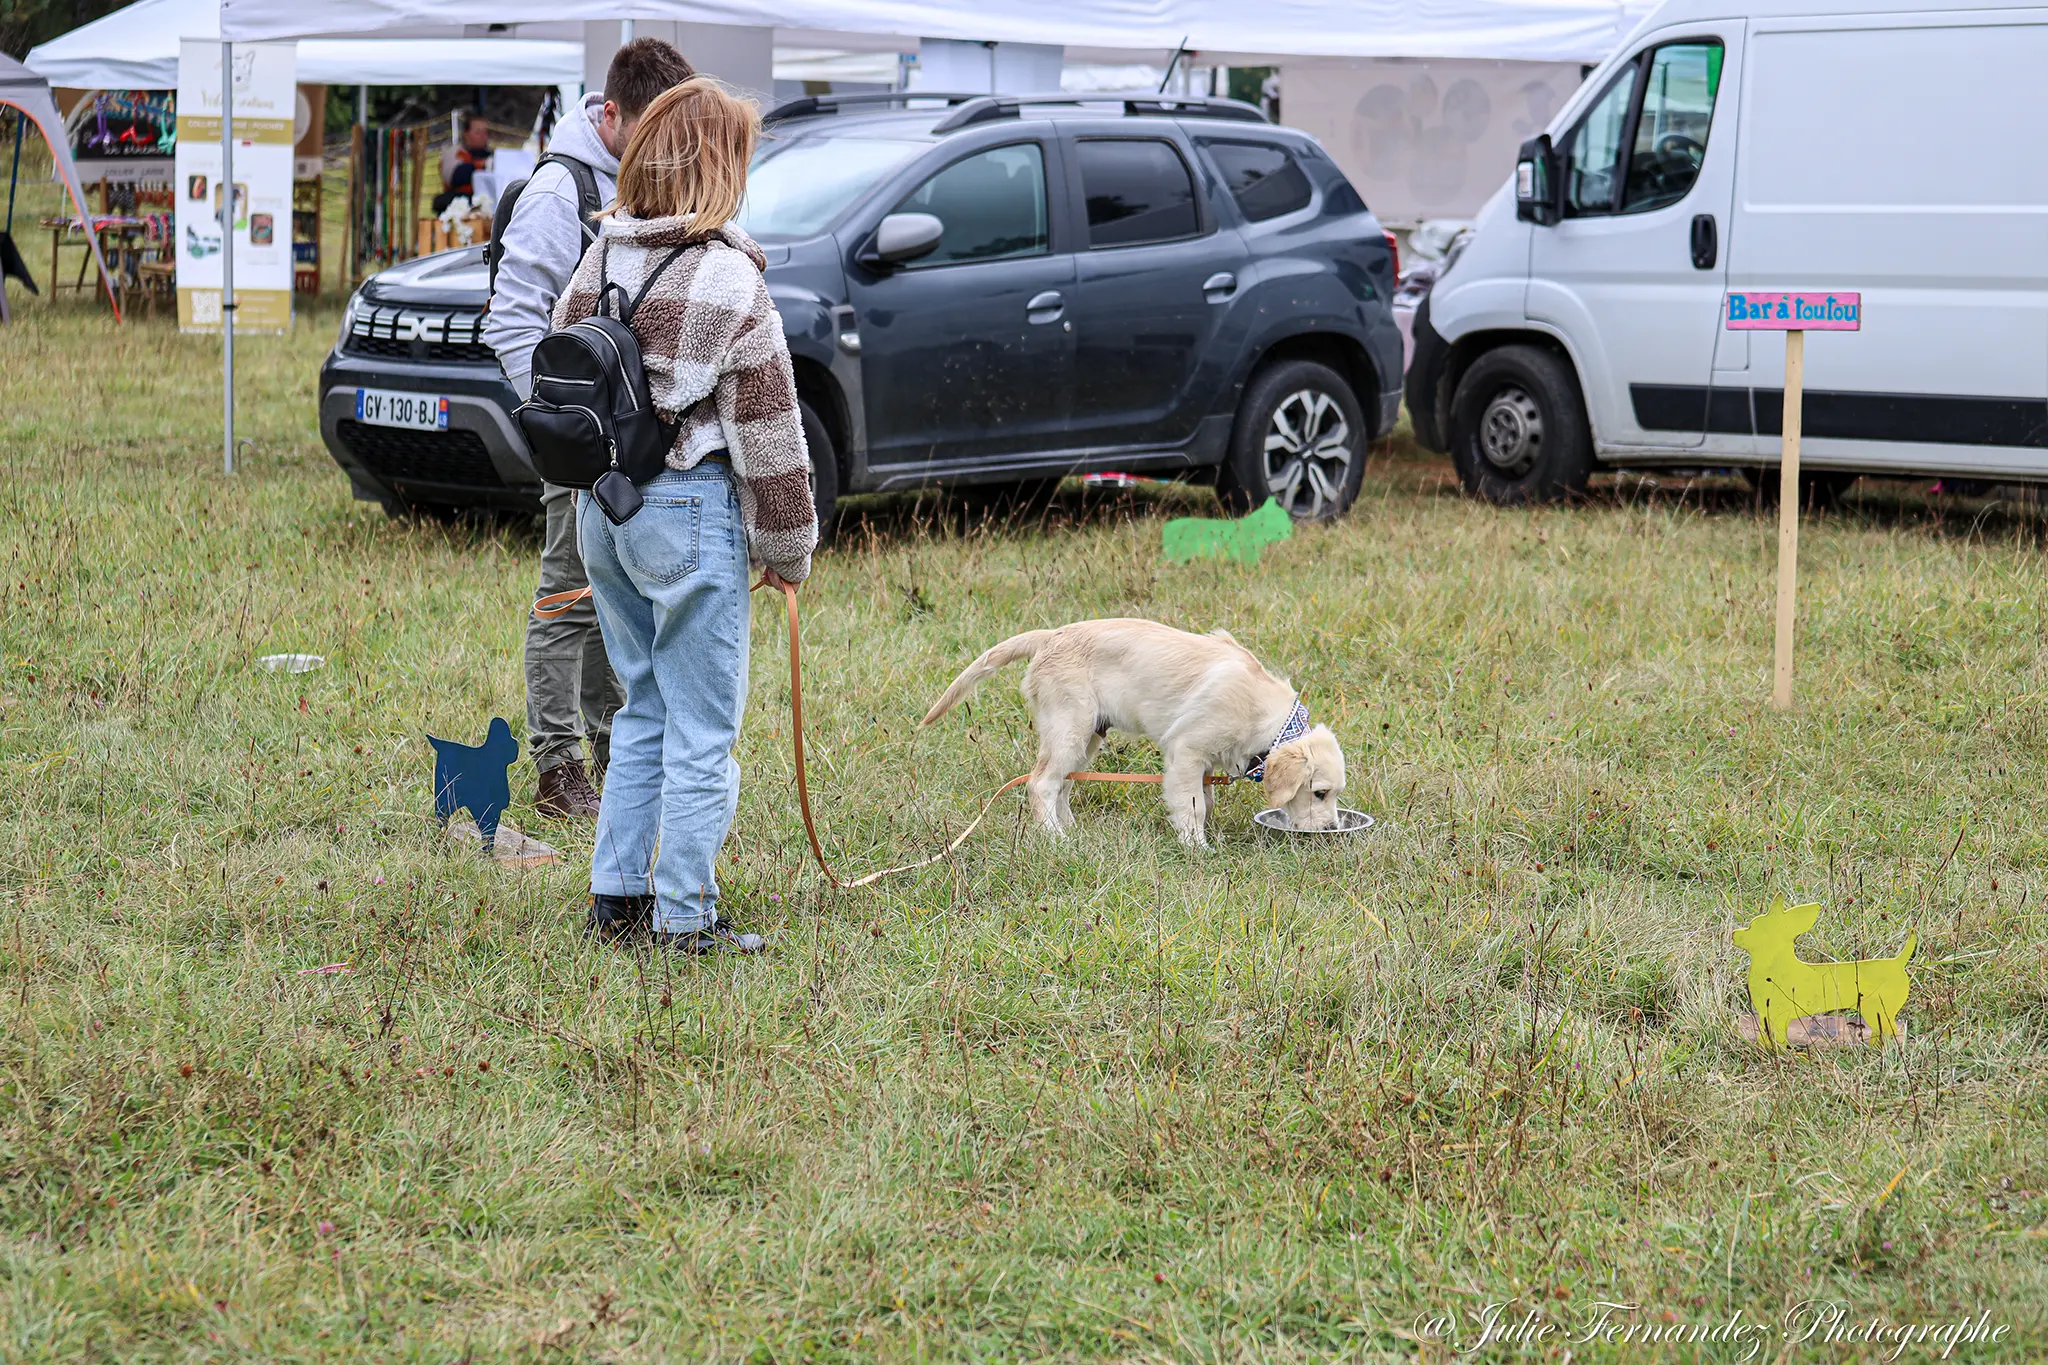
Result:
{"points": [[473, 777]]}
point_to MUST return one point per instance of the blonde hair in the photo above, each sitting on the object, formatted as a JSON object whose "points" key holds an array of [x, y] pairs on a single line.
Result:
{"points": [[688, 155]]}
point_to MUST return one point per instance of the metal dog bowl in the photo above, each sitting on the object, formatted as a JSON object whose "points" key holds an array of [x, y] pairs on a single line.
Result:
{"points": [[1348, 822]]}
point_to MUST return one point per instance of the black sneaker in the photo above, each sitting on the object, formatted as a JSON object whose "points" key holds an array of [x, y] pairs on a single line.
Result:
{"points": [[617, 917], [718, 937]]}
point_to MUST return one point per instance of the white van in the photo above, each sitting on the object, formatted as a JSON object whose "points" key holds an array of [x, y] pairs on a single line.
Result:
{"points": [[1885, 148]]}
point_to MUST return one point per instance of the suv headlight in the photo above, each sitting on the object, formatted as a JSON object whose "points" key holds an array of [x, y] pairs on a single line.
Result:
{"points": [[348, 319]]}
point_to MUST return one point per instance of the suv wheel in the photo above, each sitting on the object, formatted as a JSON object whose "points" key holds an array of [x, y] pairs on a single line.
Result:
{"points": [[1518, 428], [1300, 439], [824, 469]]}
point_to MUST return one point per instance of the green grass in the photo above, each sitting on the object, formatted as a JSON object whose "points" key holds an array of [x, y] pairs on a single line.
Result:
{"points": [[1102, 1100]]}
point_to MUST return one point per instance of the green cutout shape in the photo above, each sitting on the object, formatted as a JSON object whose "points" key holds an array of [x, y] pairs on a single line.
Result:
{"points": [[1783, 988], [1189, 538]]}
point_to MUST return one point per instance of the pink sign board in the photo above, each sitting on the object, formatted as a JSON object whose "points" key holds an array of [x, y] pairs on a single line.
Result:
{"points": [[1756, 312]]}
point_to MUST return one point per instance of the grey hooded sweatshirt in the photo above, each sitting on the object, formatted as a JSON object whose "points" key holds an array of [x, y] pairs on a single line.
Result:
{"points": [[544, 243]]}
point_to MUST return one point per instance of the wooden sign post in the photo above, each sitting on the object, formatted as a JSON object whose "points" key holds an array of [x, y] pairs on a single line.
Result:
{"points": [[1794, 315]]}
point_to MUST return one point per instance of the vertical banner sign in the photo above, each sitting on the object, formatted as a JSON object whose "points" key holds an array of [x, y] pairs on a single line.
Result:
{"points": [[266, 95], [1795, 315]]}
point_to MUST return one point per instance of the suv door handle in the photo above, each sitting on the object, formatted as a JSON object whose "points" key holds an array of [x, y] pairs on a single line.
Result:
{"points": [[1706, 246], [1045, 307], [1219, 286]]}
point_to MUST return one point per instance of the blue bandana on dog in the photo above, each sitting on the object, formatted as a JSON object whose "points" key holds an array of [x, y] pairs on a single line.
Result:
{"points": [[1295, 728]]}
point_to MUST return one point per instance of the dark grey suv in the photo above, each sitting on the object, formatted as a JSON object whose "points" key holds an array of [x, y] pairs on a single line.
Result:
{"points": [[986, 290]]}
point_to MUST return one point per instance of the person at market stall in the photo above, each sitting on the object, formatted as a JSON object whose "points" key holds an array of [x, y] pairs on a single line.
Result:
{"points": [[461, 162]]}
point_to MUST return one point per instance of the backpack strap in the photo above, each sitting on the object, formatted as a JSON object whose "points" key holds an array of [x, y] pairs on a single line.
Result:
{"points": [[645, 285], [628, 306], [606, 286], [604, 280], [588, 201]]}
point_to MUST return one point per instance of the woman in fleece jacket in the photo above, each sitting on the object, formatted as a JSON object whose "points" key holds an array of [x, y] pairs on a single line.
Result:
{"points": [[671, 584]]}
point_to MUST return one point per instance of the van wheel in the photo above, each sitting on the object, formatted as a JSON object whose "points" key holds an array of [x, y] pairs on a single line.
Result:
{"points": [[1518, 428], [824, 469], [1300, 439], [1818, 491]]}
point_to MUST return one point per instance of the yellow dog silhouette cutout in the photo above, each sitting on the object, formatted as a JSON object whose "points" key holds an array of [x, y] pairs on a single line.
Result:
{"points": [[1782, 988]]}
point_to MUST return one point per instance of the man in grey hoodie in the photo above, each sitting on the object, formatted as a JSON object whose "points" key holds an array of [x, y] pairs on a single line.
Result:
{"points": [[566, 668]]}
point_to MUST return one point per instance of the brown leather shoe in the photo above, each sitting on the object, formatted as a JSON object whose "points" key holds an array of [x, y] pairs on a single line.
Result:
{"points": [[566, 794]]}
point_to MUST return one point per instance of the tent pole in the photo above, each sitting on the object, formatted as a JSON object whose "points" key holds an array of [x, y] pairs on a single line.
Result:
{"points": [[20, 127], [227, 255]]}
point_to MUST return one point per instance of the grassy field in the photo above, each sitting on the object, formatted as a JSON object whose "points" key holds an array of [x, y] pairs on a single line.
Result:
{"points": [[1109, 1100]]}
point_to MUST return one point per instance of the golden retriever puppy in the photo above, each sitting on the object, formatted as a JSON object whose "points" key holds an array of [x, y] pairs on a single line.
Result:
{"points": [[1209, 705]]}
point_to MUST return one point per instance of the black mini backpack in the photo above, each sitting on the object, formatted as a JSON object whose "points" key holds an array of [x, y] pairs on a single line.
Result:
{"points": [[591, 412]]}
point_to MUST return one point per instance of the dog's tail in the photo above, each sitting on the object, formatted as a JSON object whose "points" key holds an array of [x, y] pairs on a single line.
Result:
{"points": [[1017, 647], [1912, 942]]}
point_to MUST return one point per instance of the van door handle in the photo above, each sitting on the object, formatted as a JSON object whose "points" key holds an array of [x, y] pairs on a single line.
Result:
{"points": [[1045, 307], [1219, 286], [1706, 246]]}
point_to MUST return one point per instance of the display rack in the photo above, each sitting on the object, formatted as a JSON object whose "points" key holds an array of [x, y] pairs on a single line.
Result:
{"points": [[387, 174], [306, 233]]}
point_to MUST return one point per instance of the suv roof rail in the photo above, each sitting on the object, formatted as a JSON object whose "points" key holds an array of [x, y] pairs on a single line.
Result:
{"points": [[1136, 103], [809, 106]]}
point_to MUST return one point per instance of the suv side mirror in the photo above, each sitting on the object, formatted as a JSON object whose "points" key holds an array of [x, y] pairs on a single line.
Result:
{"points": [[902, 237], [1537, 187]]}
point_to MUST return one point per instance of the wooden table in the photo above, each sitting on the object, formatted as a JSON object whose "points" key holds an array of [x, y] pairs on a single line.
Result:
{"points": [[435, 235], [126, 243]]}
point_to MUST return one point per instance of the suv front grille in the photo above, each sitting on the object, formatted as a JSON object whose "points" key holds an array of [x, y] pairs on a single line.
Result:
{"points": [[405, 333], [399, 456]]}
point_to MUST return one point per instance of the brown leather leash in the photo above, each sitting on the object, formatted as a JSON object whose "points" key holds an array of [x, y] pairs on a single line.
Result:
{"points": [[803, 789], [555, 603]]}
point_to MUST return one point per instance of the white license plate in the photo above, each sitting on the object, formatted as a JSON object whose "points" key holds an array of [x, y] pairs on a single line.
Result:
{"points": [[393, 408]]}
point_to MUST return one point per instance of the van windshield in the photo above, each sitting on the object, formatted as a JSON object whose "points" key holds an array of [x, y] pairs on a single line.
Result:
{"points": [[796, 189]]}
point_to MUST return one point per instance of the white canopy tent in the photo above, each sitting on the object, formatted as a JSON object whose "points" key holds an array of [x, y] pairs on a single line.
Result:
{"points": [[1534, 30], [136, 48]]}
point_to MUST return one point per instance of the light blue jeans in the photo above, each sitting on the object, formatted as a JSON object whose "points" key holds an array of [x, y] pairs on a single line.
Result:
{"points": [[671, 593]]}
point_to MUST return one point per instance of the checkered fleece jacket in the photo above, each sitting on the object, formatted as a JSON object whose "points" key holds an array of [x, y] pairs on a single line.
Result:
{"points": [[712, 345]]}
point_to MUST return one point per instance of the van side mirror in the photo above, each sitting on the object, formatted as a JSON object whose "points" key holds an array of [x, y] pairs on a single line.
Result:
{"points": [[1537, 185], [900, 238]]}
